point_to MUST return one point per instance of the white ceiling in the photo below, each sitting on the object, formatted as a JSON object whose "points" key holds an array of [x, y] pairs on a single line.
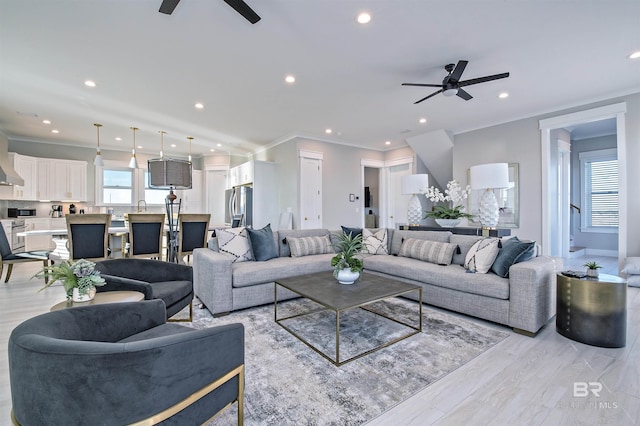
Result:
{"points": [[151, 68]]}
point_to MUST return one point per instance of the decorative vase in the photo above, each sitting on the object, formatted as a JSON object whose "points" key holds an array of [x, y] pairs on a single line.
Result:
{"points": [[346, 276], [593, 273], [77, 297], [448, 223]]}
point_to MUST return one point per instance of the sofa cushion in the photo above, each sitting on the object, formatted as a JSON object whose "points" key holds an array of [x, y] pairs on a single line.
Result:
{"points": [[481, 255], [247, 274], [353, 231], [464, 243], [631, 266], [452, 277], [513, 251], [306, 246], [400, 235], [286, 233], [374, 242], [263, 245], [234, 241], [428, 251], [172, 291]]}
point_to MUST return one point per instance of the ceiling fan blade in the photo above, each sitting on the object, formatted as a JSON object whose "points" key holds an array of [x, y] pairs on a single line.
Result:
{"points": [[457, 72], [431, 95], [483, 79], [422, 85], [168, 6], [243, 9], [463, 94]]}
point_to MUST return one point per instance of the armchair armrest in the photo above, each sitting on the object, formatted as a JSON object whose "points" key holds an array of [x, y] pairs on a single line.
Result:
{"points": [[126, 284], [213, 279]]}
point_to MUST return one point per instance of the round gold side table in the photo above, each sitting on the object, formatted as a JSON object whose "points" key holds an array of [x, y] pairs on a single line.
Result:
{"points": [[592, 310]]}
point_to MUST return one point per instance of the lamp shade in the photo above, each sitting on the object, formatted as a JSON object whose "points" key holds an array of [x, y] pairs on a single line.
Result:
{"points": [[414, 184], [169, 173], [493, 175]]}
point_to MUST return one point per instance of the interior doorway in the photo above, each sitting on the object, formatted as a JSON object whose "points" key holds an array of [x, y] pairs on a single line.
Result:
{"points": [[371, 197], [556, 201]]}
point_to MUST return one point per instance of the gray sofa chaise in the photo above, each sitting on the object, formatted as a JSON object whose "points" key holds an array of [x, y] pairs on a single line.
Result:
{"points": [[525, 300]]}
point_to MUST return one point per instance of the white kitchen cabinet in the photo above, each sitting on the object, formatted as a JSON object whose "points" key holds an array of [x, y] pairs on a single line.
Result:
{"points": [[192, 199], [39, 242], [70, 179], [45, 184], [27, 169]]}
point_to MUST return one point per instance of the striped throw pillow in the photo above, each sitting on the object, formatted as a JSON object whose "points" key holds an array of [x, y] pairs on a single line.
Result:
{"points": [[428, 251], [306, 246]]}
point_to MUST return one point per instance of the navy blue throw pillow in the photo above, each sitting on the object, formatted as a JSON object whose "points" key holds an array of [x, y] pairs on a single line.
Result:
{"points": [[262, 243], [513, 251], [353, 231]]}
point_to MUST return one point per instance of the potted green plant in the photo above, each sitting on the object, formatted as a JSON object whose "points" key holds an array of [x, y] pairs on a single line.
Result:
{"points": [[450, 213], [592, 268], [346, 265], [79, 278]]}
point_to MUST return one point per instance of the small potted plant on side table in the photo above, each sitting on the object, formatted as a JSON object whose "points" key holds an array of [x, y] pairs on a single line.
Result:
{"points": [[346, 266], [79, 278], [592, 269]]}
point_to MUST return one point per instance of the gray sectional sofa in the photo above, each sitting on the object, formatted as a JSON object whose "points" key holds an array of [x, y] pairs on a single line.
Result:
{"points": [[525, 300]]}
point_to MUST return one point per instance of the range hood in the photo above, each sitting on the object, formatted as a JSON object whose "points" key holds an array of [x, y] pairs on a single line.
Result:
{"points": [[8, 176]]}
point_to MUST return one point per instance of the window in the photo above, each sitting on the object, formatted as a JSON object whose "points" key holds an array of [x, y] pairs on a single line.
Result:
{"points": [[153, 196], [117, 186], [599, 182]]}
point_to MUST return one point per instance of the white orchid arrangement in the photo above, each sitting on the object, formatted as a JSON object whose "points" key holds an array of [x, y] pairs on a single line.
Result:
{"points": [[454, 194]]}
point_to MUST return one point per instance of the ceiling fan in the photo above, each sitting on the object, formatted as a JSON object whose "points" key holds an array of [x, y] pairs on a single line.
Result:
{"points": [[451, 85], [240, 6]]}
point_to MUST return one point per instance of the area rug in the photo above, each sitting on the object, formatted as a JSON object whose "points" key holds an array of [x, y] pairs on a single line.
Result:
{"points": [[287, 383]]}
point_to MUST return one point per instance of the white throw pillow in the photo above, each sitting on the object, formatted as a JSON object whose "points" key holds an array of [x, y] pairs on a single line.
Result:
{"points": [[234, 241], [374, 242], [631, 266], [481, 255]]}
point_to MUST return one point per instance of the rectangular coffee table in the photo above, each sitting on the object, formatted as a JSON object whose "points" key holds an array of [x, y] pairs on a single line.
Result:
{"points": [[325, 290]]}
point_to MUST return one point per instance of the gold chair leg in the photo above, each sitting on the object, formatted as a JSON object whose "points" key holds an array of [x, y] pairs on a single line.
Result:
{"points": [[9, 269], [1, 268], [190, 319]]}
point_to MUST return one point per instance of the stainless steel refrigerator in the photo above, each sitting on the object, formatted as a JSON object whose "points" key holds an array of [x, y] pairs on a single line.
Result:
{"points": [[239, 201]]}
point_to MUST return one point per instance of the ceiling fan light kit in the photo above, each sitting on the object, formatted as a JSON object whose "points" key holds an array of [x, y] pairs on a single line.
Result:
{"points": [[168, 6], [451, 84]]}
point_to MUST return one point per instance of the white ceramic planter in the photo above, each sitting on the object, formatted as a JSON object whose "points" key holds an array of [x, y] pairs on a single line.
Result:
{"points": [[448, 223], [345, 276], [77, 297]]}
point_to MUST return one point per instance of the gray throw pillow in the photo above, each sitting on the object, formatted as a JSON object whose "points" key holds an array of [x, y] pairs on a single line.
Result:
{"points": [[513, 251], [262, 243], [306, 246], [428, 251]]}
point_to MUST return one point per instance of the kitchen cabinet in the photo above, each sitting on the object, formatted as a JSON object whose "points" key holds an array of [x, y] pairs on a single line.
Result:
{"points": [[192, 199], [70, 178], [27, 168], [45, 184], [242, 174]]}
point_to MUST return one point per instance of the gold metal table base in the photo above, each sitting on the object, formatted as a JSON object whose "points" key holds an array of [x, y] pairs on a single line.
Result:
{"points": [[336, 361]]}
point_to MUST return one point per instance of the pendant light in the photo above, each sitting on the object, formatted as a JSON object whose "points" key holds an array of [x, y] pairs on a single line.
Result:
{"points": [[190, 139], [133, 163], [162, 133], [98, 160]]}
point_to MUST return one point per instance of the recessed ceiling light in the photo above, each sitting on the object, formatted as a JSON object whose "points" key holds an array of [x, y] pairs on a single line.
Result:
{"points": [[328, 131], [46, 121], [219, 145], [118, 138], [503, 95], [634, 55], [55, 131], [173, 145], [139, 146], [90, 83], [212, 150], [387, 143], [199, 105], [363, 18], [290, 79], [422, 120]]}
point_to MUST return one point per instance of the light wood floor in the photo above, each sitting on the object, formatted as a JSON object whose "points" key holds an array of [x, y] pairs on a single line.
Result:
{"points": [[520, 381]]}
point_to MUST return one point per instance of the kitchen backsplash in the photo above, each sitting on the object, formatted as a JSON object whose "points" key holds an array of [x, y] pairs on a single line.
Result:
{"points": [[44, 209]]}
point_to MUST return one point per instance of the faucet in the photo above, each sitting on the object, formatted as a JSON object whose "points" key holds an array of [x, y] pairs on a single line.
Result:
{"points": [[145, 205]]}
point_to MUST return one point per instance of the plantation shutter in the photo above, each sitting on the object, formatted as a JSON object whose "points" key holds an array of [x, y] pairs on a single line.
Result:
{"points": [[601, 192]]}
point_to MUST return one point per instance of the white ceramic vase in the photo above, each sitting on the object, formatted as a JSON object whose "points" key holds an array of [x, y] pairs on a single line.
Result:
{"points": [[593, 273], [345, 276], [448, 223], [77, 297]]}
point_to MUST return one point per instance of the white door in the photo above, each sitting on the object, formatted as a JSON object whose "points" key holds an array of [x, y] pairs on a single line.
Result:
{"points": [[310, 193], [215, 186], [397, 203]]}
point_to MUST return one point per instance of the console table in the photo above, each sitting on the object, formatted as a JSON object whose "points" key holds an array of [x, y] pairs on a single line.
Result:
{"points": [[592, 310], [463, 230]]}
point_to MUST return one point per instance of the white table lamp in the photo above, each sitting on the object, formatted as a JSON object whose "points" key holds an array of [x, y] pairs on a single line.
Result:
{"points": [[414, 185], [489, 177]]}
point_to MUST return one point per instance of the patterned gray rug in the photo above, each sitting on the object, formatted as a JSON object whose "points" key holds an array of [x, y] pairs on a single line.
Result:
{"points": [[287, 383]]}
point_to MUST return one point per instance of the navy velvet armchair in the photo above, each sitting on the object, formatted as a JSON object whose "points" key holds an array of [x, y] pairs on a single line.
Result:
{"points": [[122, 363], [168, 281]]}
